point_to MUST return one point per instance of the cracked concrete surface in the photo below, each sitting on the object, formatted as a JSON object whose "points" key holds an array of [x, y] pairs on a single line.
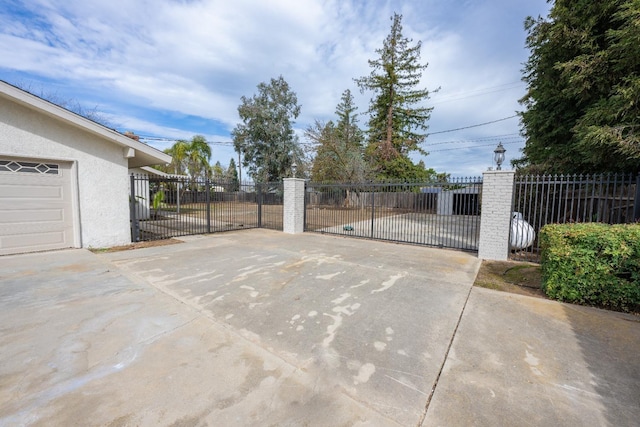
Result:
{"points": [[263, 328]]}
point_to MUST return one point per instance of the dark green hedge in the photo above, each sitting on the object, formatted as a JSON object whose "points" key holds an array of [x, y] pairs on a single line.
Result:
{"points": [[592, 264]]}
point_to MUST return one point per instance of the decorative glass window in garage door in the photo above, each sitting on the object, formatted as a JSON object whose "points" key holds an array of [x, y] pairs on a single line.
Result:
{"points": [[28, 167]]}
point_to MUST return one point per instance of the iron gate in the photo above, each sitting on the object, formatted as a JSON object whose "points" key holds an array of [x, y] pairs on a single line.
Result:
{"points": [[439, 214], [165, 207]]}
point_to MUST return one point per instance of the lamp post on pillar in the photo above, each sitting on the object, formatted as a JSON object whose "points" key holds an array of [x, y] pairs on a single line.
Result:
{"points": [[498, 156]]}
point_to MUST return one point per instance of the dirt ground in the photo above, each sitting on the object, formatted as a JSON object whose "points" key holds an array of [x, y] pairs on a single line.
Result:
{"points": [[318, 216], [511, 276], [138, 245]]}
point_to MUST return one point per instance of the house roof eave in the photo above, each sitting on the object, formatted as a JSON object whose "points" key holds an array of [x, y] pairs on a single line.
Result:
{"points": [[138, 153]]}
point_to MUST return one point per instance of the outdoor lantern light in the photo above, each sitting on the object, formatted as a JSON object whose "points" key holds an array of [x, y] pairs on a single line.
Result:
{"points": [[294, 166], [498, 155]]}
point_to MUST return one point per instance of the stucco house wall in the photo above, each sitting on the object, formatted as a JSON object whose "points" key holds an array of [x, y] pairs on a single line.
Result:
{"points": [[101, 169], [31, 128]]}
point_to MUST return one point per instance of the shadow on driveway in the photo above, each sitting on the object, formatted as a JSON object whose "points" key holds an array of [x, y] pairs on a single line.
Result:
{"points": [[519, 360]]}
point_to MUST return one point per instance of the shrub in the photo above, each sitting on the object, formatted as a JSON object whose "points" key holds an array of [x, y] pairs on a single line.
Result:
{"points": [[592, 264]]}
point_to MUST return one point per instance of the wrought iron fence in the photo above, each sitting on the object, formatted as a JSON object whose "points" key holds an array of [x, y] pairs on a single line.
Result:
{"points": [[440, 214], [173, 206], [546, 199]]}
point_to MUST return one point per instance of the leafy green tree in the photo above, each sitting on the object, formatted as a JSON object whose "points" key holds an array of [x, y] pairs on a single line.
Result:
{"points": [[339, 146], [582, 111], [402, 169], [266, 137], [323, 135], [398, 118]]}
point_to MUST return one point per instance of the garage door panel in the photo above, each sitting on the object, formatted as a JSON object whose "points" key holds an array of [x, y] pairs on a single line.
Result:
{"points": [[31, 227], [36, 209], [29, 215], [31, 191], [33, 242]]}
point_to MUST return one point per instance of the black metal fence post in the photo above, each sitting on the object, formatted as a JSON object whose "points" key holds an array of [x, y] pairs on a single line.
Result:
{"points": [[373, 209], [135, 226], [207, 198], [399, 212], [304, 218], [259, 197]]}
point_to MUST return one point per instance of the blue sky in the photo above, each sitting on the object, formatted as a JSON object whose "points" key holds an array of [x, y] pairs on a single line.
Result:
{"points": [[175, 68]]}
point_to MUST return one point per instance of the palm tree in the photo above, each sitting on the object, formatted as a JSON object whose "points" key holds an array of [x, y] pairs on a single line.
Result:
{"points": [[191, 157], [179, 153], [198, 157]]}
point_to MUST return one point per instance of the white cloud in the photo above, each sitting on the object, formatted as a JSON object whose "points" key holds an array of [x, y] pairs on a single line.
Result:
{"points": [[197, 58]]}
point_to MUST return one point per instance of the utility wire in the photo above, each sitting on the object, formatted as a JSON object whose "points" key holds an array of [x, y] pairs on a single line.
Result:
{"points": [[443, 96], [484, 139], [453, 97], [163, 139], [474, 146], [473, 126], [491, 138]]}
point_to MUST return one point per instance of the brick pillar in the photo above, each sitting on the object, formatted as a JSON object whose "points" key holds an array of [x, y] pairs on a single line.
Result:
{"points": [[293, 212], [495, 219]]}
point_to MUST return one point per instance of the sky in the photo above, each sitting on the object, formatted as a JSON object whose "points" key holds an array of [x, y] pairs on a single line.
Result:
{"points": [[171, 69]]}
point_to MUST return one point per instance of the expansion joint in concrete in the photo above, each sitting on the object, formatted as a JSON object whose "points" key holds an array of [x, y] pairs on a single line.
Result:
{"points": [[444, 360]]}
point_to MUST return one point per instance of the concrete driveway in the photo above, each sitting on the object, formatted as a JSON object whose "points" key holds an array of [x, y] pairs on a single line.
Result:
{"points": [[263, 328]]}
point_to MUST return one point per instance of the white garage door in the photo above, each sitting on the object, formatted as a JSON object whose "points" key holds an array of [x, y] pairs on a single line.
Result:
{"points": [[36, 209]]}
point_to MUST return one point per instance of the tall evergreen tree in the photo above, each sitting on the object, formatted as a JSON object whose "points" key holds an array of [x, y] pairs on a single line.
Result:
{"points": [[231, 176], [398, 117], [339, 151], [217, 172], [265, 137], [583, 75]]}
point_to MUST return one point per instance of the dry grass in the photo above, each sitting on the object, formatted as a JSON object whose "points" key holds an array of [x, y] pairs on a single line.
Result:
{"points": [[511, 276]]}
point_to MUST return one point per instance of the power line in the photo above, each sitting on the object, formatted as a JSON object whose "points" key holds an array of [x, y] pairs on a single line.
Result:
{"points": [[507, 136], [166, 139], [475, 93], [439, 95], [474, 126], [491, 138], [474, 146]]}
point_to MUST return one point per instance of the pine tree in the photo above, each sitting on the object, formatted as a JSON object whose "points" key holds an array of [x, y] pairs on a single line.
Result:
{"points": [[231, 176], [398, 118], [217, 172], [339, 153]]}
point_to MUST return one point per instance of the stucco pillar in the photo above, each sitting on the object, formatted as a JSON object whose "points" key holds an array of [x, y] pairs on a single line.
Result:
{"points": [[495, 218], [293, 212]]}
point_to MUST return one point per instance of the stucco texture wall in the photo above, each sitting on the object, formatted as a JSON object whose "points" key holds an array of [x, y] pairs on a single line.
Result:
{"points": [[101, 169]]}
